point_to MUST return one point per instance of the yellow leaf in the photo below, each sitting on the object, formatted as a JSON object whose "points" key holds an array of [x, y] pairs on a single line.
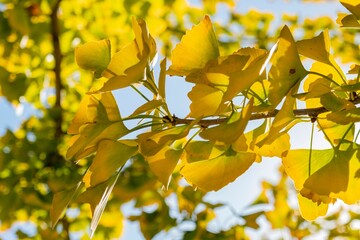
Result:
{"points": [[286, 70], [347, 21], [353, 6], [310, 210], [213, 174], [312, 82], [163, 163], [128, 65], [202, 150], [243, 78], [110, 156], [152, 142], [98, 119], [198, 46], [94, 56], [231, 130], [205, 101]]}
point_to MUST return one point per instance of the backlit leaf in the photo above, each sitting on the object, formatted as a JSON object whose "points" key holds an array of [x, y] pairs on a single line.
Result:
{"points": [[311, 210], [148, 106], [110, 156], [98, 119], [128, 65], [94, 56], [205, 101], [286, 70], [317, 48], [353, 6], [198, 46], [163, 163], [60, 202], [213, 174], [345, 116], [202, 150], [98, 197], [231, 130]]}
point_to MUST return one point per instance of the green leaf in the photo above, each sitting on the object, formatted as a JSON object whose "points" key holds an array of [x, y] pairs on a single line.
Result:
{"points": [[12, 86], [94, 56], [231, 130], [213, 174], [111, 155], [286, 70], [60, 202], [197, 47]]}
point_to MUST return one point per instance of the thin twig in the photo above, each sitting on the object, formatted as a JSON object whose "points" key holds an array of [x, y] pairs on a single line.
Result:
{"points": [[306, 112], [57, 69]]}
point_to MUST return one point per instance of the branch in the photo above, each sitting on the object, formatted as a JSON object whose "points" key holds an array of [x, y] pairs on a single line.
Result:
{"points": [[57, 69], [306, 112]]}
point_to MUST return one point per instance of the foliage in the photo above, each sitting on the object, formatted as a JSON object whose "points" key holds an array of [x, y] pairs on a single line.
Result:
{"points": [[117, 162]]}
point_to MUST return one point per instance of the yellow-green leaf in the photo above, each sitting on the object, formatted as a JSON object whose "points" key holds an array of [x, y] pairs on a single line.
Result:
{"points": [[214, 174], [231, 130], [198, 46], [111, 155], [94, 56], [202, 150], [97, 119], [286, 70], [148, 106], [98, 197], [163, 163], [345, 116], [60, 202]]}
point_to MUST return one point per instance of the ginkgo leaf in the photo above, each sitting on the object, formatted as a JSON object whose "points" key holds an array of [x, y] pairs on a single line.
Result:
{"points": [[334, 131], [286, 70], [110, 156], [60, 202], [148, 106], [102, 121], [345, 116], [221, 67], [231, 130], [202, 150], [222, 170], [317, 48], [198, 46], [128, 65], [162, 79], [311, 210], [205, 101], [353, 6], [98, 197], [163, 163], [354, 69], [152, 142], [242, 79], [94, 56], [312, 82], [347, 21], [323, 175]]}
